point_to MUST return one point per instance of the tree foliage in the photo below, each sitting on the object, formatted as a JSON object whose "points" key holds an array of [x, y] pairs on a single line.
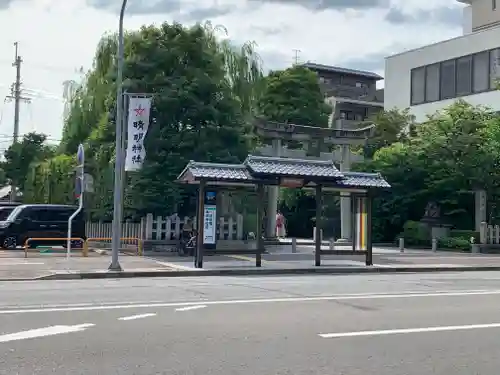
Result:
{"points": [[390, 127], [451, 154], [294, 96], [204, 92], [21, 155]]}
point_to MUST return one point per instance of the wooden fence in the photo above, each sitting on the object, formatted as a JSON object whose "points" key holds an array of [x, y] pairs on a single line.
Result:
{"points": [[164, 228]]}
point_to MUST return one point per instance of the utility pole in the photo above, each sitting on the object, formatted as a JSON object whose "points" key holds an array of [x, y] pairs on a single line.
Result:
{"points": [[296, 57], [17, 101]]}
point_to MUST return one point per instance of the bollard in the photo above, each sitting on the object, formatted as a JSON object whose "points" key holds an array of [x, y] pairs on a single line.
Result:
{"points": [[434, 244], [332, 244], [401, 244], [474, 247], [140, 247], [294, 245], [85, 250]]}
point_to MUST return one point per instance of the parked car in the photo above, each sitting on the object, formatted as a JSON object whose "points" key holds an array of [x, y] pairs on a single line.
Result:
{"points": [[48, 221], [10, 204], [5, 212]]}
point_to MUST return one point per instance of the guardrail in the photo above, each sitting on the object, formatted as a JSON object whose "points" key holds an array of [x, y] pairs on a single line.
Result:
{"points": [[85, 249], [137, 241]]}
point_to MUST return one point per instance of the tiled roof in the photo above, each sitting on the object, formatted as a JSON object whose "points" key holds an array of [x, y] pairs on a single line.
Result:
{"points": [[218, 171], [291, 167], [338, 69], [363, 180], [256, 167]]}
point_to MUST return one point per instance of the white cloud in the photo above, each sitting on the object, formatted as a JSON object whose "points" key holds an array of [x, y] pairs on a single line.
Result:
{"points": [[56, 37]]}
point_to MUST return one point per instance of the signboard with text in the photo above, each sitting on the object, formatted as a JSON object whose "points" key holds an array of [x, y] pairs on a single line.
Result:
{"points": [[210, 219]]}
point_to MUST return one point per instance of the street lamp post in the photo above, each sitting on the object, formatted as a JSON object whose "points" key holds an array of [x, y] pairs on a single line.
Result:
{"points": [[118, 183]]}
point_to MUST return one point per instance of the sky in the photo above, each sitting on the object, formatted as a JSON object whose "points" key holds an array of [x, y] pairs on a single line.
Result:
{"points": [[57, 38]]}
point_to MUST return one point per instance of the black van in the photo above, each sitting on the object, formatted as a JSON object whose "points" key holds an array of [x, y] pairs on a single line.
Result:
{"points": [[40, 221], [5, 212], [10, 204]]}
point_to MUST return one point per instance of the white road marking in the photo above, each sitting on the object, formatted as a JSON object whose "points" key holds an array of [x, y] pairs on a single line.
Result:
{"points": [[175, 266], [188, 308], [339, 297], [43, 332], [408, 330], [21, 263], [133, 317], [83, 304]]}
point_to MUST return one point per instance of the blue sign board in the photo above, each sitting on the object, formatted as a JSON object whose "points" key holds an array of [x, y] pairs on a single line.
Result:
{"points": [[78, 186]]}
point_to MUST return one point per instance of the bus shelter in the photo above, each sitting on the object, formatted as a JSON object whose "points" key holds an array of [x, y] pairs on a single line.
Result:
{"points": [[257, 172]]}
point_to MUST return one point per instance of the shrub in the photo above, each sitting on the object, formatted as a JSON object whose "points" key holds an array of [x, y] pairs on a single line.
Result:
{"points": [[465, 234], [454, 243], [416, 234]]}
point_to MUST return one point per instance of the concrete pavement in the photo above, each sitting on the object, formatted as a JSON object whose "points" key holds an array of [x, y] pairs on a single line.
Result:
{"points": [[437, 324], [13, 266]]}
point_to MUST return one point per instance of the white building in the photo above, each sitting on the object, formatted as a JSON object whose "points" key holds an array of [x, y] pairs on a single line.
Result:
{"points": [[430, 78]]}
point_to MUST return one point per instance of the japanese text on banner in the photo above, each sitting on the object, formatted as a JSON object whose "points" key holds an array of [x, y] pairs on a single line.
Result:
{"points": [[138, 125]]}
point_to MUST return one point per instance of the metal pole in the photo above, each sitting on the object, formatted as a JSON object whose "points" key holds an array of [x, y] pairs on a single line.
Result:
{"points": [[118, 184], [80, 156]]}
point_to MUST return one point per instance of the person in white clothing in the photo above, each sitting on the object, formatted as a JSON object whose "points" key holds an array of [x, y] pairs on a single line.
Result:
{"points": [[280, 225]]}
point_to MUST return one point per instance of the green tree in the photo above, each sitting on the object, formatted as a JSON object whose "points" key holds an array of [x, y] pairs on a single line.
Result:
{"points": [[199, 117], [451, 153], [51, 181], [204, 92], [293, 95], [19, 157], [390, 127]]}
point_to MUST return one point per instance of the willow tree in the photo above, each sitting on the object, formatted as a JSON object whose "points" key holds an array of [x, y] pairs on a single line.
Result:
{"points": [[204, 91]]}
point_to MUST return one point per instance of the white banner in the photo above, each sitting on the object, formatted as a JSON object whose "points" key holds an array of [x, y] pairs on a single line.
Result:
{"points": [[138, 124], [210, 225]]}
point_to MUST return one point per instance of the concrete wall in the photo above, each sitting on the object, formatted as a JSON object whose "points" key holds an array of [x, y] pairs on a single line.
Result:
{"points": [[398, 71], [484, 16], [467, 20]]}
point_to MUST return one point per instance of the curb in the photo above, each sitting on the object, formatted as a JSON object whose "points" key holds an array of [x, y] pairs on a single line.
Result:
{"points": [[264, 272]]}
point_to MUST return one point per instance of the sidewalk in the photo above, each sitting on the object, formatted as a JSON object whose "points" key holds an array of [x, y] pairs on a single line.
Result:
{"points": [[13, 266]]}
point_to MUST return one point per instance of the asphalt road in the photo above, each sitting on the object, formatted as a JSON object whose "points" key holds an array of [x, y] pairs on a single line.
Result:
{"points": [[358, 324]]}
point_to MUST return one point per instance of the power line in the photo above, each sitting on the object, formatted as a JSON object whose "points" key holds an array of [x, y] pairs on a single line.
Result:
{"points": [[51, 68], [7, 137]]}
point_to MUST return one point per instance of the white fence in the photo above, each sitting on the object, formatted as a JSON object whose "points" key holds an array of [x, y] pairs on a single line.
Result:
{"points": [[166, 229]]}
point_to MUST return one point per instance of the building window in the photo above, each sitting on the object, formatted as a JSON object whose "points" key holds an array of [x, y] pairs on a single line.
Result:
{"points": [[461, 76], [418, 86], [480, 74], [464, 75], [432, 83], [448, 80], [494, 68]]}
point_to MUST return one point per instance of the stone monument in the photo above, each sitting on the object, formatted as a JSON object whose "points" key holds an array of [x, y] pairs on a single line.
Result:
{"points": [[433, 221]]}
